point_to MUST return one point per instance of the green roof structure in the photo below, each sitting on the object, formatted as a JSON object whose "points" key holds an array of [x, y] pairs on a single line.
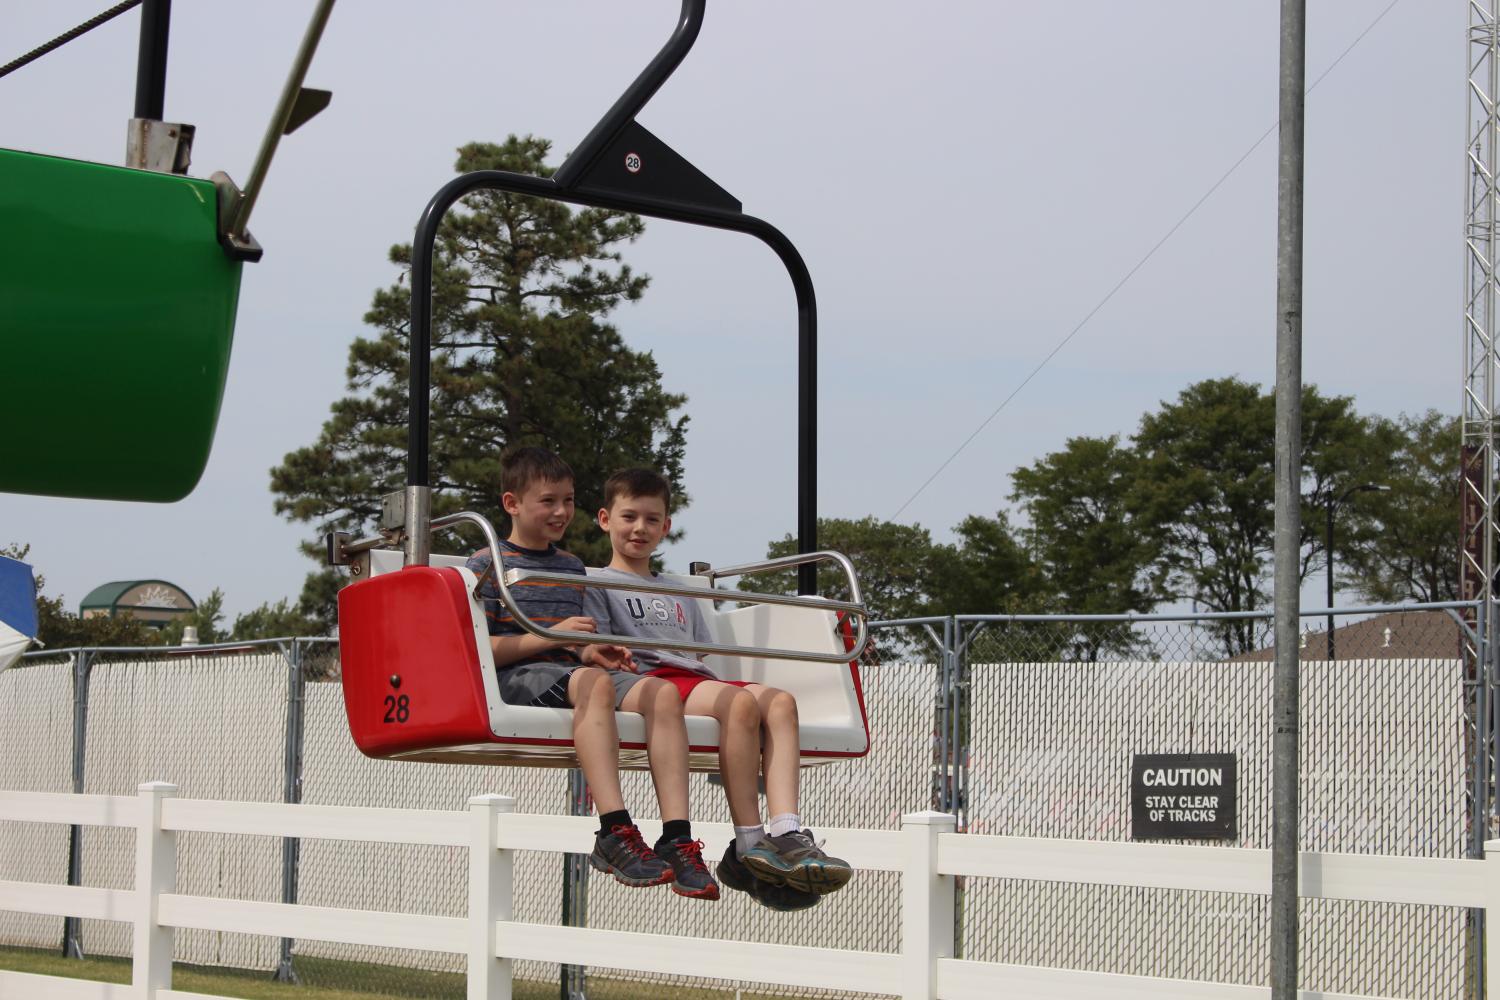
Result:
{"points": [[152, 601]]}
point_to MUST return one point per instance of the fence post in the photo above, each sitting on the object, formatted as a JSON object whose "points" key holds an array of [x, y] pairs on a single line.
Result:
{"points": [[491, 896], [1481, 765], [155, 874], [926, 904], [1491, 978], [940, 751], [963, 736], [291, 847], [950, 650], [83, 661], [573, 979]]}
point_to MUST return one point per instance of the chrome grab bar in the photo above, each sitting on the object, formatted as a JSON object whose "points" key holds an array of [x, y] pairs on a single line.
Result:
{"points": [[784, 562], [855, 609]]}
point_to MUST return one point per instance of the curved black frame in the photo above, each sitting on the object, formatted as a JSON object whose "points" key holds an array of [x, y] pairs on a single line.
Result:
{"points": [[562, 187]]}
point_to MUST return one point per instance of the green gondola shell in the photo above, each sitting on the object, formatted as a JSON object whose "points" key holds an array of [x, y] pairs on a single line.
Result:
{"points": [[117, 309]]}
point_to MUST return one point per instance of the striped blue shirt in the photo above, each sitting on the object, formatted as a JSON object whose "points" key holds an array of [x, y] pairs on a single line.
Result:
{"points": [[543, 601]]}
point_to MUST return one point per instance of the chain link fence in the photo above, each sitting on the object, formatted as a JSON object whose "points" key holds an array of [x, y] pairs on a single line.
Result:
{"points": [[36, 746], [1056, 709], [1021, 726]]}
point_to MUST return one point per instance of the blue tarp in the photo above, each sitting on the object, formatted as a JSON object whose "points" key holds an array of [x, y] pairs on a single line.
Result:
{"points": [[17, 610]]}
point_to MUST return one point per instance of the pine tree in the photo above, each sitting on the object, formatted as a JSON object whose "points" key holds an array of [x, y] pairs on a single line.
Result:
{"points": [[521, 355]]}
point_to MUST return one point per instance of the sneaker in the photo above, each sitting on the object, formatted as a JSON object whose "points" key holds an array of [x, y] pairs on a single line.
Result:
{"points": [[690, 874], [782, 898], [795, 859], [624, 854]]}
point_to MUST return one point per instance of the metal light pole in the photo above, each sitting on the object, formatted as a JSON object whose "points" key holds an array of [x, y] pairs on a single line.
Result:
{"points": [[1286, 697], [1333, 505]]}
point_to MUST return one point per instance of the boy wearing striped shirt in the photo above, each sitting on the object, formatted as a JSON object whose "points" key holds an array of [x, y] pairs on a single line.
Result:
{"points": [[593, 680]]}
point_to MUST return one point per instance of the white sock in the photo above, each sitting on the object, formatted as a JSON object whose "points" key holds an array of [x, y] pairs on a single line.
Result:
{"points": [[746, 837], [785, 823]]}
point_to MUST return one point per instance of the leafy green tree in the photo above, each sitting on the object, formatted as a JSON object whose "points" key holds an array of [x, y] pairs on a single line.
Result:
{"points": [[1341, 449], [904, 574], [319, 601], [987, 571], [280, 620], [893, 561], [520, 356], [207, 618], [1083, 530], [315, 612], [1206, 489], [1402, 545]]}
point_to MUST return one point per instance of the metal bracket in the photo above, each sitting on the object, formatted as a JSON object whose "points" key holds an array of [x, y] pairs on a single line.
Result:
{"points": [[241, 247], [334, 543], [165, 147], [393, 511], [343, 549], [310, 101]]}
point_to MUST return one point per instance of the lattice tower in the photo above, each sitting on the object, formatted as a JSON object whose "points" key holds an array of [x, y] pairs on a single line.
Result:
{"points": [[1477, 561], [1477, 462]]}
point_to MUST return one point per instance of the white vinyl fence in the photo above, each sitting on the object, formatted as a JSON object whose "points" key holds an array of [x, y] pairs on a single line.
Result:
{"points": [[925, 854]]}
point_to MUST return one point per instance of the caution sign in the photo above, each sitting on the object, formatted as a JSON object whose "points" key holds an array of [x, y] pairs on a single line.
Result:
{"points": [[1193, 796]]}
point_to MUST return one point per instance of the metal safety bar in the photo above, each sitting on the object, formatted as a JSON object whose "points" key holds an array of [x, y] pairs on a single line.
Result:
{"points": [[856, 596], [235, 218], [854, 608]]}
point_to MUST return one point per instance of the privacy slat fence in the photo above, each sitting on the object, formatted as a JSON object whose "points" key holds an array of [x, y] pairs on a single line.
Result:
{"points": [[926, 854]]}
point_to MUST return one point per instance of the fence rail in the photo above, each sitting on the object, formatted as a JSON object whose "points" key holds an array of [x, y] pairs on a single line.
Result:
{"points": [[1020, 726], [925, 852]]}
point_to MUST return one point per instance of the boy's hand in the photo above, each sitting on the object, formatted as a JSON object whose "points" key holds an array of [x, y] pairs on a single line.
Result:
{"points": [[608, 657], [578, 623]]}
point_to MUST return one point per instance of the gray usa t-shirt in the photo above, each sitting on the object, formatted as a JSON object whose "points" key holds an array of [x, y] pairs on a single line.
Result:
{"points": [[640, 613]]}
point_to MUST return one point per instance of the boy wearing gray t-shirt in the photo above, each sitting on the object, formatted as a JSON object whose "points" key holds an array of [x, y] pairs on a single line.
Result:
{"points": [[658, 617], [591, 679], [783, 868]]}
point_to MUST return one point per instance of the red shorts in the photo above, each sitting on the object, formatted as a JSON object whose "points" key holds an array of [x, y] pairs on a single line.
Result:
{"points": [[686, 680]]}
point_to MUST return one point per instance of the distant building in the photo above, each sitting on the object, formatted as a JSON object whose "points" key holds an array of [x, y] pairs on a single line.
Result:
{"points": [[154, 602], [1399, 635]]}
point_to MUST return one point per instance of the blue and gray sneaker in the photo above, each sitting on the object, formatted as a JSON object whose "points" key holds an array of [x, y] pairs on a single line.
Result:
{"points": [[796, 860], [783, 898]]}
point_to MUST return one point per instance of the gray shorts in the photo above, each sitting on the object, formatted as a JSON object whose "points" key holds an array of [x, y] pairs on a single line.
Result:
{"points": [[546, 684]]}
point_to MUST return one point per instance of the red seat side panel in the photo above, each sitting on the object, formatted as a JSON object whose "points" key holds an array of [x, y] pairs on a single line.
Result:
{"points": [[410, 665]]}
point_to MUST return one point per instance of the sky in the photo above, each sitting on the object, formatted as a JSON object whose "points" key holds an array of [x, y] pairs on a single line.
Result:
{"points": [[966, 181]]}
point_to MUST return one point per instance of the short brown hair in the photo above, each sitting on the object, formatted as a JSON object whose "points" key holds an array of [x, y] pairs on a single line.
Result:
{"points": [[637, 483], [525, 466]]}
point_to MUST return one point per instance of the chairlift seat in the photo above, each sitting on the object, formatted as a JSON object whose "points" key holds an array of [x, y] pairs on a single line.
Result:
{"points": [[419, 633], [117, 310]]}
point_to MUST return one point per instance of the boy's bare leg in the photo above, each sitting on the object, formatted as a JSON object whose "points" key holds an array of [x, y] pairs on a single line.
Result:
{"points": [[666, 742], [738, 715], [596, 739], [782, 750]]}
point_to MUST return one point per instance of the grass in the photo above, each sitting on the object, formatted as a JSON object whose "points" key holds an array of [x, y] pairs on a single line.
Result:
{"points": [[329, 979]]}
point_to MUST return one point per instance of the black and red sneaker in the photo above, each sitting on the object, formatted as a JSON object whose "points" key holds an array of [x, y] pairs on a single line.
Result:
{"points": [[623, 853], [690, 875]]}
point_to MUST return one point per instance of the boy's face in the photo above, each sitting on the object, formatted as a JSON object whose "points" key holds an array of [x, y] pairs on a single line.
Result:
{"points": [[542, 511], [636, 525]]}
